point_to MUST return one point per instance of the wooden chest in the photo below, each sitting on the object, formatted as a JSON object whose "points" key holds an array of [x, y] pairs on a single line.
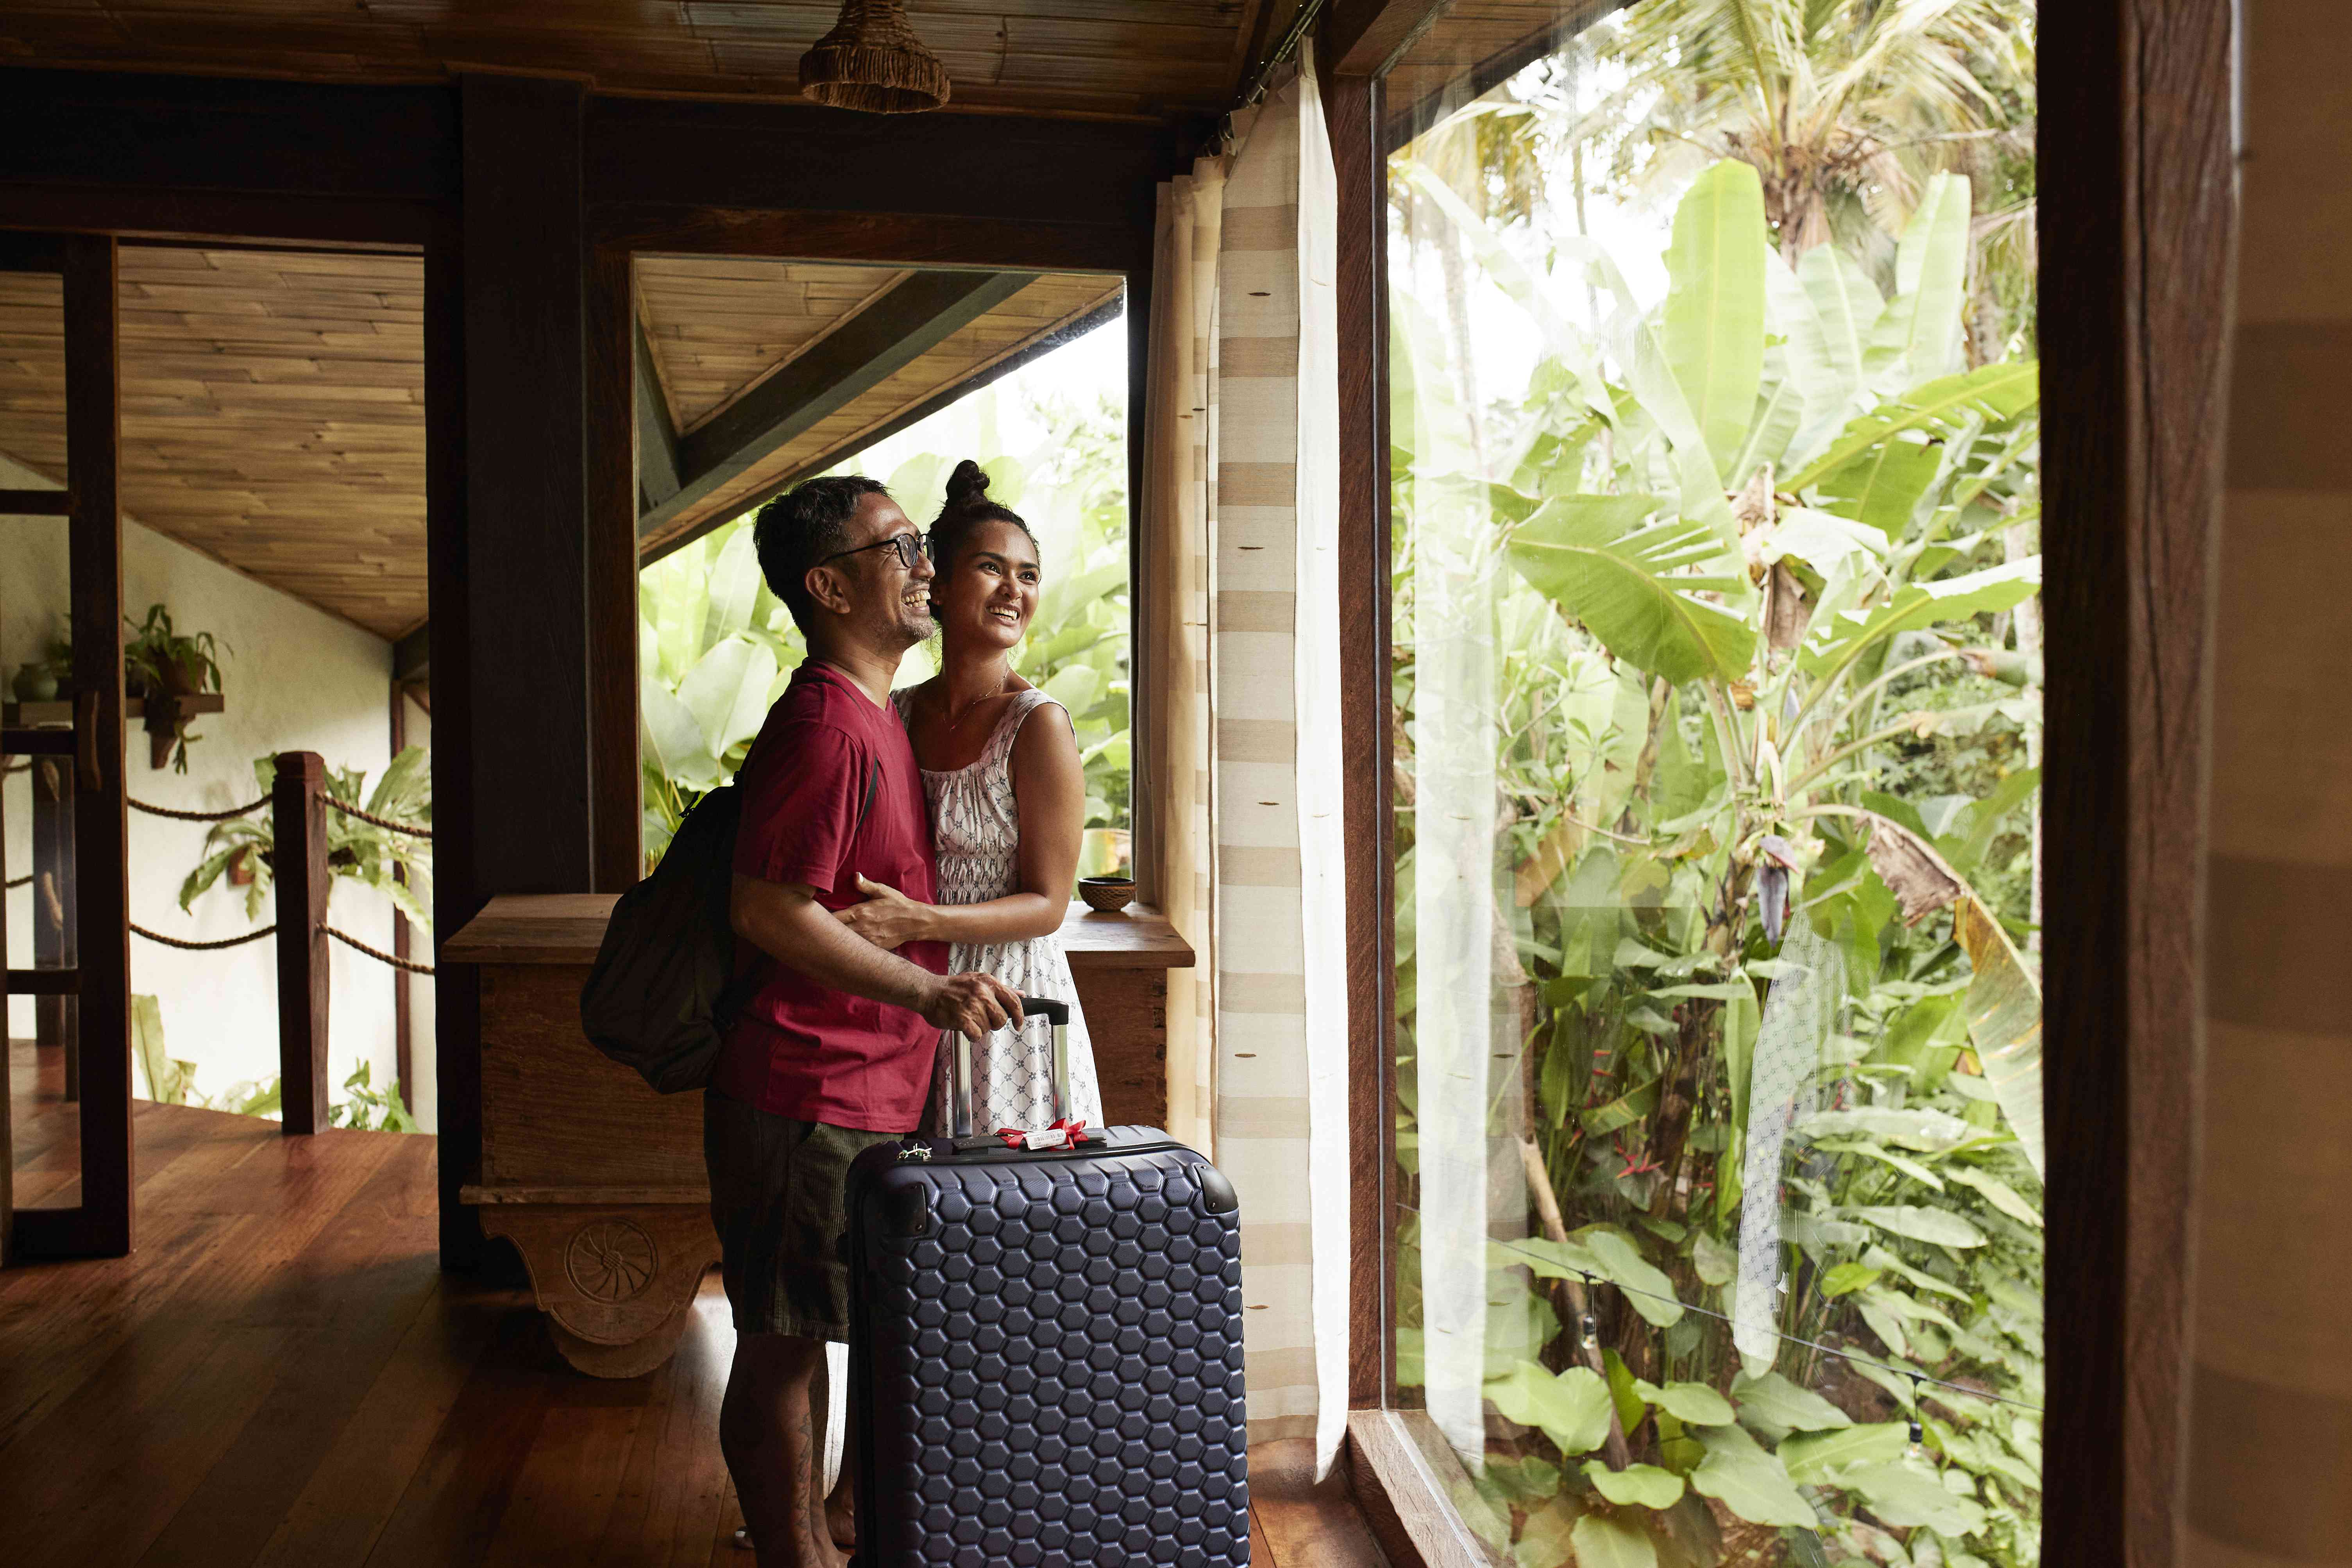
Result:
{"points": [[599, 1182]]}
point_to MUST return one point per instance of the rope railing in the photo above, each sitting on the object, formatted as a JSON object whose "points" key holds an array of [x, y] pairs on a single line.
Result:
{"points": [[177, 815], [409, 964], [188, 946], [297, 804], [348, 809]]}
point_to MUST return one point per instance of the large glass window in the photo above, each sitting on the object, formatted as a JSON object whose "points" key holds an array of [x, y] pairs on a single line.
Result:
{"points": [[716, 647], [1718, 665]]}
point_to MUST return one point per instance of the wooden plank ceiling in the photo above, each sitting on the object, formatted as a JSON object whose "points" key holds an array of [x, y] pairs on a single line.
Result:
{"points": [[273, 413], [722, 328], [273, 408], [1131, 57]]}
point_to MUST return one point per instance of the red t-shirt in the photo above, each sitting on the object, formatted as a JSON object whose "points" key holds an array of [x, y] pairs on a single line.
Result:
{"points": [[831, 793]]}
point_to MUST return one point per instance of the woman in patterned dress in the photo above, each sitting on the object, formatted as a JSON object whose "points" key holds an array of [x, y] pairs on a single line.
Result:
{"points": [[1008, 803]]}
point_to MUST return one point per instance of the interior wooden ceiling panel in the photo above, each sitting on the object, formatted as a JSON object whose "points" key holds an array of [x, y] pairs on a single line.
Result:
{"points": [[273, 403], [717, 324], [682, 296], [273, 414], [1143, 57]]}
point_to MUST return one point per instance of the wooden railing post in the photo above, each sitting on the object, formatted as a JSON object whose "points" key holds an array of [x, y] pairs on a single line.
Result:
{"points": [[299, 818]]}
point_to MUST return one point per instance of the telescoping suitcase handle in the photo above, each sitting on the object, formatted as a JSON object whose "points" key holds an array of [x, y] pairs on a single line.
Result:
{"points": [[963, 1121]]}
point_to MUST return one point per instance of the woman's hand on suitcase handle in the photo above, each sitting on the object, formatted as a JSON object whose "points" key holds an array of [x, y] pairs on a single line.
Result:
{"points": [[973, 1005]]}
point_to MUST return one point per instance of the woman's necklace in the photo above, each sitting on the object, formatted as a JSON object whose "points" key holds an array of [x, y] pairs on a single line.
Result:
{"points": [[955, 718]]}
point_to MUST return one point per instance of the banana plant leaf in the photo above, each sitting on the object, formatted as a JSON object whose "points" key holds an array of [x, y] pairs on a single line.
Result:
{"points": [[1995, 391], [1712, 329], [1917, 336], [1627, 580], [2004, 1010]]}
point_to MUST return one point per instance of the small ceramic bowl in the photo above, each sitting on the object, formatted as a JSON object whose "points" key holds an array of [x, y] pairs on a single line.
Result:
{"points": [[1107, 894]]}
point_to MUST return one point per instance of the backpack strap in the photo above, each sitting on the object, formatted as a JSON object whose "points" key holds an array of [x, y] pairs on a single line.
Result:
{"points": [[873, 784]]}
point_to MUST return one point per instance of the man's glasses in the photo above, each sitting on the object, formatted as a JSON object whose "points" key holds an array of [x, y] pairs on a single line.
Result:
{"points": [[909, 548]]}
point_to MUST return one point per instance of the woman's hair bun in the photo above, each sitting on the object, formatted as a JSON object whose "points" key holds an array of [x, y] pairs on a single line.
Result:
{"points": [[968, 486]]}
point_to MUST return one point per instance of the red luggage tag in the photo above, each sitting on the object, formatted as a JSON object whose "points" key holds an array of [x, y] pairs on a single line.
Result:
{"points": [[1066, 1133]]}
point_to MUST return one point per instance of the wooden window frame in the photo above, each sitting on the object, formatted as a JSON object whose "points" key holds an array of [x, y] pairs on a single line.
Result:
{"points": [[2138, 232]]}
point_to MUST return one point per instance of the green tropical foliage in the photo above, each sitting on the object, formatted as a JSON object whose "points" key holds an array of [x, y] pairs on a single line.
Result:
{"points": [[367, 1108], [716, 647], [1753, 557], [396, 865], [172, 1082]]}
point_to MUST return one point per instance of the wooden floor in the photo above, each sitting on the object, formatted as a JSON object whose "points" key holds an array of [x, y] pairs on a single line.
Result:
{"points": [[281, 1374]]}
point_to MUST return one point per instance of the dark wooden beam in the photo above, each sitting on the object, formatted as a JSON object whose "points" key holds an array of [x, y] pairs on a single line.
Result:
{"points": [[2138, 225], [905, 323], [411, 655], [403, 1053], [457, 895], [897, 238], [658, 461], [32, 253], [298, 817], [102, 1225], [166, 132], [525, 593], [35, 503], [797, 157], [615, 455], [161, 214], [1364, 37], [55, 1023], [48, 985]]}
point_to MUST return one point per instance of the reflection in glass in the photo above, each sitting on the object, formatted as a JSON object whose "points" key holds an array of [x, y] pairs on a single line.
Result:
{"points": [[1717, 678]]}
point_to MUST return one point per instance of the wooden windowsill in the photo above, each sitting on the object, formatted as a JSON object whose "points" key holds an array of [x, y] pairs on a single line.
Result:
{"points": [[566, 928], [1399, 1489]]}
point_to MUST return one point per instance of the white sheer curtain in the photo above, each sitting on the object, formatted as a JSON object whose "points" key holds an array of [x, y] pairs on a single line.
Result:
{"points": [[1260, 621]]}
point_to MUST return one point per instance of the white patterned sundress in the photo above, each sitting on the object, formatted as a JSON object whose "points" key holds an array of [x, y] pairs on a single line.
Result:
{"points": [[976, 833]]}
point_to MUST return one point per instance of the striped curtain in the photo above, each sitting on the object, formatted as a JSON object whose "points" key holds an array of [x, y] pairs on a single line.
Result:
{"points": [[1279, 1003], [1175, 616]]}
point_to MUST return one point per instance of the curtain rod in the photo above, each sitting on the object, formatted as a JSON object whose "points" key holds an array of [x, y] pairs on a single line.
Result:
{"points": [[1302, 22]]}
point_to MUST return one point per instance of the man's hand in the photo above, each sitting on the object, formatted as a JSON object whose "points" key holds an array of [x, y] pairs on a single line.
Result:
{"points": [[889, 918], [973, 1004]]}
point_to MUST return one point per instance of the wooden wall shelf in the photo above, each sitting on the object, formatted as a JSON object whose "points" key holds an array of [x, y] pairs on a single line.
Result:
{"points": [[59, 714], [26, 722]]}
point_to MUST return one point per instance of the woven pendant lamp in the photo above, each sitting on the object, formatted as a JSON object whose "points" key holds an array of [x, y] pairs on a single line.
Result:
{"points": [[872, 61]]}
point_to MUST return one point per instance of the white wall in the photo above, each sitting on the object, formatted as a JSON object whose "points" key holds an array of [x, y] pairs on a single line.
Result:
{"points": [[296, 680]]}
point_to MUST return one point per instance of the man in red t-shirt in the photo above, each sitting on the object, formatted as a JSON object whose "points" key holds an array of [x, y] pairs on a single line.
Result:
{"points": [[832, 1053]]}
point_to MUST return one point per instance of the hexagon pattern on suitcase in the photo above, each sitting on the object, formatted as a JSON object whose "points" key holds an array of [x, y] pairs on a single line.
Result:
{"points": [[1056, 1372]]}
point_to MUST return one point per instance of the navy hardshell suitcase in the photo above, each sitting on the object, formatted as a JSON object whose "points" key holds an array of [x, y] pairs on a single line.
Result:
{"points": [[1045, 1354]]}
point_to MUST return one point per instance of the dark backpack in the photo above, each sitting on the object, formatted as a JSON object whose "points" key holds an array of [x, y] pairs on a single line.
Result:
{"points": [[664, 991]]}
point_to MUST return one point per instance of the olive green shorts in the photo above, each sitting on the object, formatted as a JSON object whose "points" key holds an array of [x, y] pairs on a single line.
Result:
{"points": [[778, 1199]]}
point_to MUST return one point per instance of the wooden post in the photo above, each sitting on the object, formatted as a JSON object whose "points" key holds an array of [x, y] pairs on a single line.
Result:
{"points": [[102, 911], [402, 1054], [55, 1020], [299, 819]]}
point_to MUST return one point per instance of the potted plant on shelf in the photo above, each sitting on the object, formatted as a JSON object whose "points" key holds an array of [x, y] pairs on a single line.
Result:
{"points": [[45, 680], [165, 669]]}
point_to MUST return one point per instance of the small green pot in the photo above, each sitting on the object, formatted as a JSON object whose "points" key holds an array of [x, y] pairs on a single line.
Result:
{"points": [[34, 683]]}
